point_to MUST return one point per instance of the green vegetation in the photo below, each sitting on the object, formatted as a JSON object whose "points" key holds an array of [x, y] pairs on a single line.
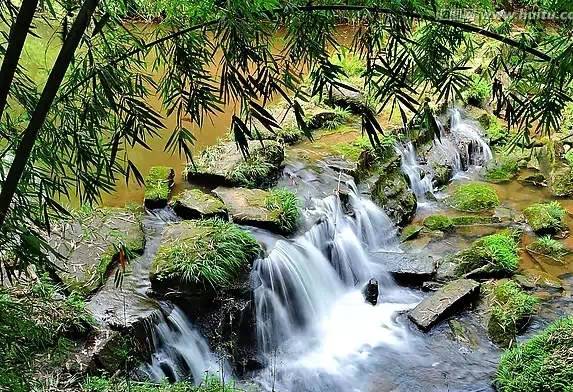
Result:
{"points": [[439, 222], [341, 116], [546, 217], [283, 204], [569, 157], [510, 308], [37, 324], [355, 149], [493, 254], [102, 384], [208, 252], [410, 232], [549, 247], [504, 168], [473, 220], [158, 184], [258, 169], [479, 91], [541, 364], [473, 197], [352, 65], [496, 132]]}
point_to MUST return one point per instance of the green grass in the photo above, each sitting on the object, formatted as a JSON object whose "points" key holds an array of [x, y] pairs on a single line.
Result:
{"points": [[210, 252], [543, 363], [158, 183], [549, 247], [104, 384], [354, 149], [503, 169], [479, 91], [258, 169], [495, 253], [352, 65], [510, 308], [283, 204], [341, 116], [569, 157], [474, 197], [439, 222], [546, 217]]}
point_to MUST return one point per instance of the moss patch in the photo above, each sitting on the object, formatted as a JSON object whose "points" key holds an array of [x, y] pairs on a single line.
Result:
{"points": [[410, 232], [473, 197], [158, 184], [546, 217], [496, 132], [283, 204], [492, 254], [468, 220], [503, 169], [203, 253], [510, 308], [541, 364], [119, 384], [439, 222]]}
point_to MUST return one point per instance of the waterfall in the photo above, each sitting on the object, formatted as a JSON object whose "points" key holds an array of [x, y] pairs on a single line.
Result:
{"points": [[310, 311], [180, 352], [420, 181]]}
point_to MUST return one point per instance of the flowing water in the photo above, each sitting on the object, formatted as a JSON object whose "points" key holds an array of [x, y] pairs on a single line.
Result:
{"points": [[420, 179]]}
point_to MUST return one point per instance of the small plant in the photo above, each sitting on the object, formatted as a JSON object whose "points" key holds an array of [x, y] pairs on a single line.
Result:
{"points": [[546, 217], [352, 65], [439, 222], [494, 254], [496, 132], [549, 247], [473, 197], [284, 205], [503, 169], [510, 309], [543, 363], [479, 92], [258, 169], [569, 157]]}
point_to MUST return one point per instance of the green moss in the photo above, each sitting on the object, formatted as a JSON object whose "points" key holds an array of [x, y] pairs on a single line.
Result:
{"points": [[503, 169], [546, 217], [541, 364], [410, 232], [495, 253], [479, 91], [569, 157], [119, 384], [549, 247], [510, 308], [439, 222], [210, 252], [355, 149], [283, 204], [158, 183], [473, 197], [496, 132], [473, 220]]}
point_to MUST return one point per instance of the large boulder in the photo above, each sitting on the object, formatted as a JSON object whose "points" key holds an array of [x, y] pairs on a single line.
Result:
{"points": [[392, 193], [195, 204], [224, 164], [274, 210], [443, 302], [407, 268], [91, 244]]}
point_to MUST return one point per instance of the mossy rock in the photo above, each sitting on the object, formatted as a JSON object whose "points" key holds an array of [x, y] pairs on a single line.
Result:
{"points": [[510, 308], [276, 210], [543, 363], [91, 243], [223, 164], [549, 247], [469, 220], [410, 232], [561, 181], [494, 254], [196, 204], [158, 185], [502, 169], [546, 218], [443, 173], [202, 255], [473, 197], [438, 222], [392, 193]]}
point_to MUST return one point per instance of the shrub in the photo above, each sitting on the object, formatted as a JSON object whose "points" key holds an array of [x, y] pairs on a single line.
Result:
{"points": [[496, 132], [439, 222], [158, 183], [473, 197], [211, 252], [283, 204], [478, 92], [545, 217], [495, 253], [510, 308], [541, 364], [549, 247]]}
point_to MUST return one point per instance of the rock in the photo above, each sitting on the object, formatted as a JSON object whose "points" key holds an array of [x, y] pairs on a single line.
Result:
{"points": [[542, 279], [345, 98], [158, 185], [90, 244], [446, 270], [321, 119], [410, 232], [462, 333], [392, 194], [443, 302], [442, 174], [473, 197], [535, 179], [195, 204], [341, 165], [546, 218], [407, 268], [431, 286], [561, 181], [370, 292], [223, 164]]}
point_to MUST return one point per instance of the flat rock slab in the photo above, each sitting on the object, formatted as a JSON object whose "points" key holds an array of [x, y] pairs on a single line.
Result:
{"points": [[247, 207], [443, 302], [407, 268], [195, 204]]}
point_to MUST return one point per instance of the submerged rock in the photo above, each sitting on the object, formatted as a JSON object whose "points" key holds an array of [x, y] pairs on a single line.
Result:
{"points": [[195, 204], [443, 302], [274, 210], [158, 185], [223, 164], [91, 244], [407, 268]]}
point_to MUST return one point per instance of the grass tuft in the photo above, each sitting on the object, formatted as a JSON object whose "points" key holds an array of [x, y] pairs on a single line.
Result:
{"points": [[495, 253], [119, 384], [474, 197], [284, 205], [549, 247], [503, 169], [158, 183]]}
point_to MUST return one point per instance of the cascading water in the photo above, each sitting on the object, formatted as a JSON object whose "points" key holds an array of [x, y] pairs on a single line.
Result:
{"points": [[180, 352], [311, 315], [420, 181]]}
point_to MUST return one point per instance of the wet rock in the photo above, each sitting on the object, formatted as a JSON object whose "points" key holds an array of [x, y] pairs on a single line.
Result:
{"points": [[407, 268], [431, 286], [195, 204], [462, 333], [345, 98], [370, 292], [392, 193], [535, 179], [341, 165], [223, 164], [542, 279], [443, 302], [561, 181], [546, 218], [442, 174], [446, 270], [90, 243], [158, 185], [251, 207]]}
